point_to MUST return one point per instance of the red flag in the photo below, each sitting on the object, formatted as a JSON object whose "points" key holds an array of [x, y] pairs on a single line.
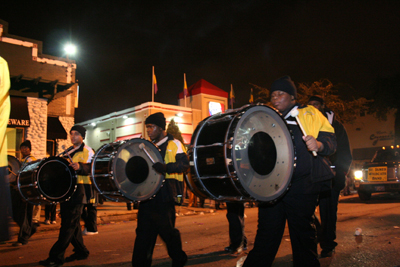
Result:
{"points": [[185, 90], [155, 84]]}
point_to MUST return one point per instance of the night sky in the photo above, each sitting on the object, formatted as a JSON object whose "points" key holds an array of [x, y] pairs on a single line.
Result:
{"points": [[223, 42]]}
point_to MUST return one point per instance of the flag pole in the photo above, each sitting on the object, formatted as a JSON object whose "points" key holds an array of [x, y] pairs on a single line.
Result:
{"points": [[184, 87], [152, 86]]}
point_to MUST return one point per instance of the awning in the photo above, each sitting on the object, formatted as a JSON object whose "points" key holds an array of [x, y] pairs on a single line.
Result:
{"points": [[55, 130], [19, 115]]}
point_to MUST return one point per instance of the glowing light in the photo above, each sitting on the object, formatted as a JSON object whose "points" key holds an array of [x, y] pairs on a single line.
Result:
{"points": [[93, 124], [179, 115], [358, 175], [70, 49], [125, 117]]}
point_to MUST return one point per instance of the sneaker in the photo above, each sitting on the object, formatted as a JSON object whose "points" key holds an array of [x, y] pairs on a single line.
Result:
{"points": [[50, 263], [53, 222], [47, 222], [234, 251], [86, 232], [325, 253], [76, 257]]}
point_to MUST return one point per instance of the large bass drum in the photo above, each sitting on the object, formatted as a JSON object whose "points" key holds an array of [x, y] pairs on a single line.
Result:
{"points": [[49, 180], [122, 171], [246, 154]]}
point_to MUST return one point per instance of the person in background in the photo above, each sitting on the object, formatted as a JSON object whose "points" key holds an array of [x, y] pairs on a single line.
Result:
{"points": [[71, 210], [50, 213], [23, 210], [328, 199], [5, 198], [297, 206], [237, 238], [157, 216]]}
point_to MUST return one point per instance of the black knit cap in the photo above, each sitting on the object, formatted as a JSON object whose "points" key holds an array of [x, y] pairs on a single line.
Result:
{"points": [[27, 143], [316, 98], [284, 84], [157, 119], [80, 129]]}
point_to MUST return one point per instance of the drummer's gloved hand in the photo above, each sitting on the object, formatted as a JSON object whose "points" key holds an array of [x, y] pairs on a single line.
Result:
{"points": [[160, 167]]}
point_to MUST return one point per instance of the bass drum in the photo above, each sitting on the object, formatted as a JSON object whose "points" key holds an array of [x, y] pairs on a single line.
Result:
{"points": [[49, 180], [13, 167], [246, 154], [122, 171]]}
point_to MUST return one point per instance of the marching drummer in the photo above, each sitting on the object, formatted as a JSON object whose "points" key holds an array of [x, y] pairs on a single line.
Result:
{"points": [[23, 210], [156, 216], [71, 210], [297, 206]]}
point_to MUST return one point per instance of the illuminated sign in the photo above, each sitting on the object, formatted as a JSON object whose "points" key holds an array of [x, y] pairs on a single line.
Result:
{"points": [[215, 107]]}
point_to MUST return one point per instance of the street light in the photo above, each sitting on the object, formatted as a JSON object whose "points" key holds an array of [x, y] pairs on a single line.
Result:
{"points": [[70, 49]]}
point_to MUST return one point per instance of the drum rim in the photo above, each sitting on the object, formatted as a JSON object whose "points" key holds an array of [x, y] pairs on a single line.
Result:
{"points": [[292, 162]]}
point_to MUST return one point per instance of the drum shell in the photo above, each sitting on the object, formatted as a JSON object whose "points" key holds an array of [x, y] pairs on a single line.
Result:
{"points": [[50, 180], [122, 171], [222, 166]]}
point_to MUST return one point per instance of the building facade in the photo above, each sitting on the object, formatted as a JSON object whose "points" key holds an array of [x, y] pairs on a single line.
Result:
{"points": [[43, 95], [203, 100]]}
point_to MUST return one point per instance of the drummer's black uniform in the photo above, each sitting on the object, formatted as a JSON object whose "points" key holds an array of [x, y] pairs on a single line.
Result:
{"points": [[297, 206], [23, 210], [157, 216], [71, 210]]}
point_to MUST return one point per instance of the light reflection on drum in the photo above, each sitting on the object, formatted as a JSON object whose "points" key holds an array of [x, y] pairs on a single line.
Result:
{"points": [[243, 155]]}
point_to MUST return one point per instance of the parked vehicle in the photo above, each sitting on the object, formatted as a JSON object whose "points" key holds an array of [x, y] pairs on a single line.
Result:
{"points": [[381, 174]]}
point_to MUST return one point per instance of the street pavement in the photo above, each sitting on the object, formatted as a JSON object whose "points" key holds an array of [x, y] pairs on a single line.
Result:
{"points": [[112, 212]]}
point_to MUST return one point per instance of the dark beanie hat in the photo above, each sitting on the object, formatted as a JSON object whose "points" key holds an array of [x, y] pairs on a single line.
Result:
{"points": [[79, 129], [157, 119], [316, 98], [27, 143], [284, 84]]}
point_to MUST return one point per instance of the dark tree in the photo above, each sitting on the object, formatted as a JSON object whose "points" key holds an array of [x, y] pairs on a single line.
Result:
{"points": [[386, 95], [329, 93]]}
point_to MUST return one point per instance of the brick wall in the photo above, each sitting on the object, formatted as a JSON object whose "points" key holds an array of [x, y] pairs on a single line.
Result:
{"points": [[37, 131]]}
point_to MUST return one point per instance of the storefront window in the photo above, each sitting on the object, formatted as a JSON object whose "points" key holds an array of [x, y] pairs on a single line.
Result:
{"points": [[15, 136]]}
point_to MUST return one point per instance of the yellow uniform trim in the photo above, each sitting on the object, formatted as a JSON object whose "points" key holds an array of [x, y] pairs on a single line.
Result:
{"points": [[174, 147]]}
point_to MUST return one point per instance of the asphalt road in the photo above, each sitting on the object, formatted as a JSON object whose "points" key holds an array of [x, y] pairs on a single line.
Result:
{"points": [[205, 236]]}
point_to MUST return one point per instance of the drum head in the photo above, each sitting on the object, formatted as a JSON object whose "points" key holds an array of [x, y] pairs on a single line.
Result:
{"points": [[263, 153], [13, 167], [55, 178], [132, 169]]}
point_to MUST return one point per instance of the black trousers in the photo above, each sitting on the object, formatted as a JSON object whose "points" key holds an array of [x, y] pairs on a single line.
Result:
{"points": [[328, 203], [235, 216], [22, 214], [5, 205], [70, 232], [89, 216], [156, 217], [298, 210]]}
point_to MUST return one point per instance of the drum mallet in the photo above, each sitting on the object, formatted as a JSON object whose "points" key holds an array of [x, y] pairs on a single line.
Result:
{"points": [[294, 113], [142, 147], [66, 152]]}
